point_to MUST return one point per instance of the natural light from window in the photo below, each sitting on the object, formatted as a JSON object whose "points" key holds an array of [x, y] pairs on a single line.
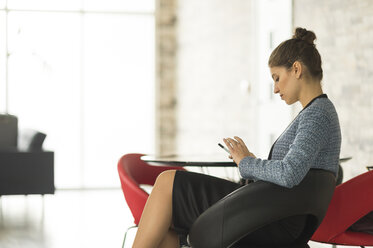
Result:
{"points": [[83, 73]]}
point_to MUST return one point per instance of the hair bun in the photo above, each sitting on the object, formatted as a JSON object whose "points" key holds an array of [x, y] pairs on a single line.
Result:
{"points": [[304, 34]]}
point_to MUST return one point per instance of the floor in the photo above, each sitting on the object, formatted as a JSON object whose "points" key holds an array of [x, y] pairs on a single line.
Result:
{"points": [[71, 218]]}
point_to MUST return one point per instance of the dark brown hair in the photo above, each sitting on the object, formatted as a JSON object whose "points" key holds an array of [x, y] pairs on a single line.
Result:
{"points": [[300, 48]]}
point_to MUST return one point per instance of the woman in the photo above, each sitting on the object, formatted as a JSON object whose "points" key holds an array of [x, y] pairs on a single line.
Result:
{"points": [[312, 140]]}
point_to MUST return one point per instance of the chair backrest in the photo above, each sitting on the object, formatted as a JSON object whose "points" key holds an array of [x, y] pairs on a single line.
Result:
{"points": [[351, 201], [133, 172], [129, 169], [261, 203], [8, 131]]}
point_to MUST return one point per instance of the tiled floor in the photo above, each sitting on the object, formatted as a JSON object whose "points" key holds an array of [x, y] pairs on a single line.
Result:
{"points": [[74, 219], [71, 219]]}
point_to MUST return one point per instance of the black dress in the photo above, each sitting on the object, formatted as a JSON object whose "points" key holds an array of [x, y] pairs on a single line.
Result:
{"points": [[193, 193]]}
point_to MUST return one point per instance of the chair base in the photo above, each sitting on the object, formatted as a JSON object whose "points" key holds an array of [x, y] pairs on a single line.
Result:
{"points": [[125, 234]]}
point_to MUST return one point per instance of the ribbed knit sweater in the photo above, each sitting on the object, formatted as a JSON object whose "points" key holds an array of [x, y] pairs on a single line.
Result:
{"points": [[312, 140]]}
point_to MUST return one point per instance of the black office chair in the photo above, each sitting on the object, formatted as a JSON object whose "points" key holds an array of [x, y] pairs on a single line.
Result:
{"points": [[260, 203]]}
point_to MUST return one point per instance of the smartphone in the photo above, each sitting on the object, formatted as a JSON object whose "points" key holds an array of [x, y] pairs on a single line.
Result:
{"points": [[223, 147]]}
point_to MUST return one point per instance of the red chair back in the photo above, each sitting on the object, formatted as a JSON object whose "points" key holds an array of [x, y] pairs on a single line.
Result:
{"points": [[351, 201], [133, 172]]}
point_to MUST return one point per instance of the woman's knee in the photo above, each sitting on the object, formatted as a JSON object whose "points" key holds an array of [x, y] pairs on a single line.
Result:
{"points": [[166, 178]]}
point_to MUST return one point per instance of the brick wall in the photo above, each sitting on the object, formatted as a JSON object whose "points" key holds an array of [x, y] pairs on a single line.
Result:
{"points": [[213, 89], [344, 29], [213, 64], [165, 76]]}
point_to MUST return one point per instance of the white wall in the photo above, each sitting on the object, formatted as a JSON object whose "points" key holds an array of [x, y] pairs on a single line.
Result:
{"points": [[224, 86], [344, 31]]}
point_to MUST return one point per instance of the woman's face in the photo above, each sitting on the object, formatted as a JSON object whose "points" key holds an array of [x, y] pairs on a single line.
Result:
{"points": [[285, 83]]}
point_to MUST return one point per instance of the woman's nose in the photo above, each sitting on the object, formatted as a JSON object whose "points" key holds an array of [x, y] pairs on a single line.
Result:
{"points": [[276, 89]]}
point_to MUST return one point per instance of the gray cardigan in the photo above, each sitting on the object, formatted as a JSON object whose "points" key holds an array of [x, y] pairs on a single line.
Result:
{"points": [[312, 140]]}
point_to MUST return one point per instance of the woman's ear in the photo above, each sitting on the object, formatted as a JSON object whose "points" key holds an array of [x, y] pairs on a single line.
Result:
{"points": [[297, 67]]}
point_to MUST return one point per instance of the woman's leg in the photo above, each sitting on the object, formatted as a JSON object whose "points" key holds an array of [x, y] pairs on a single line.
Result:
{"points": [[157, 215], [171, 240]]}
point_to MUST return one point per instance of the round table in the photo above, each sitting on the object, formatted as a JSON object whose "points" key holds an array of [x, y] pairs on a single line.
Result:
{"points": [[191, 160]]}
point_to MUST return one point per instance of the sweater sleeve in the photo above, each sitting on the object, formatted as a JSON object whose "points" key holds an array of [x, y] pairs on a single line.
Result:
{"points": [[311, 137]]}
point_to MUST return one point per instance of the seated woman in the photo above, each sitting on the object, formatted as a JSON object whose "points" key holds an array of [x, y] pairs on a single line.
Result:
{"points": [[311, 141]]}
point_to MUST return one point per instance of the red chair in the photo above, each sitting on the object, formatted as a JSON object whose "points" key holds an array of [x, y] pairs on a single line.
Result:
{"points": [[351, 201], [133, 172]]}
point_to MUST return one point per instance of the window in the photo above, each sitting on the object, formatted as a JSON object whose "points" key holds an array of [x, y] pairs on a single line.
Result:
{"points": [[2, 61], [83, 73]]}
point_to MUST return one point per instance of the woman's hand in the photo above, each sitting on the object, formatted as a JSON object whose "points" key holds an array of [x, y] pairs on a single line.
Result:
{"points": [[237, 149]]}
